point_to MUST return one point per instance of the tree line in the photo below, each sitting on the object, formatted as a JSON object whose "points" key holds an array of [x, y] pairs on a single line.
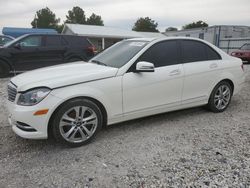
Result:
{"points": [[45, 18]]}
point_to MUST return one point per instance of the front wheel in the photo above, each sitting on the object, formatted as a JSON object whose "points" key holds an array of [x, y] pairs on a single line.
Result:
{"points": [[220, 97], [77, 122]]}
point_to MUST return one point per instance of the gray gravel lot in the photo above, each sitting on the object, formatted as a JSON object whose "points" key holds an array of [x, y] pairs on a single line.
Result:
{"points": [[192, 148]]}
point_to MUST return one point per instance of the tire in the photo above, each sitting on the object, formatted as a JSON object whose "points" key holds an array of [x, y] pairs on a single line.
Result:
{"points": [[4, 70], [72, 131], [220, 97]]}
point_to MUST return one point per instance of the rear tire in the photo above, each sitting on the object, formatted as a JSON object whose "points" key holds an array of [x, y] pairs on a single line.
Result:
{"points": [[77, 122], [4, 70], [220, 97]]}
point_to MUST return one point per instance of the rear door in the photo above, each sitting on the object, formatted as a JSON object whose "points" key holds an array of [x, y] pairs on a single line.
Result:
{"points": [[53, 50], [201, 66], [79, 47]]}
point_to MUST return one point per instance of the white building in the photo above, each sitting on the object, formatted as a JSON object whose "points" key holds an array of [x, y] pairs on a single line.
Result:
{"points": [[214, 34], [102, 36]]}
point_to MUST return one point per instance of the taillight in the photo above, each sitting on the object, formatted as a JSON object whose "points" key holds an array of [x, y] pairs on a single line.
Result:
{"points": [[92, 49]]}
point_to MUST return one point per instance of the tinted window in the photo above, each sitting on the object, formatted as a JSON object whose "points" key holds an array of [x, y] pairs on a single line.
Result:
{"points": [[162, 54], [77, 41], [53, 41], [31, 41], [212, 54], [193, 51]]}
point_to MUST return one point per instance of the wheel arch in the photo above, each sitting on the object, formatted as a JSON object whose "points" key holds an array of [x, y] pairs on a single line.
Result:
{"points": [[4, 60], [97, 102], [224, 79], [230, 82]]}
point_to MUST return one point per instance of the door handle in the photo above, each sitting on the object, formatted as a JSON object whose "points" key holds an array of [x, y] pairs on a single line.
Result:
{"points": [[175, 72], [213, 66]]}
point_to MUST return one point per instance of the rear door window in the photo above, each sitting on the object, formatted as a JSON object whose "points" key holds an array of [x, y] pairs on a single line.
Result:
{"points": [[193, 51], [77, 41], [53, 41]]}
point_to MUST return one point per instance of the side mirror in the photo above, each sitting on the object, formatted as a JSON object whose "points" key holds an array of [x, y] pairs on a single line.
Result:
{"points": [[144, 66], [17, 45]]}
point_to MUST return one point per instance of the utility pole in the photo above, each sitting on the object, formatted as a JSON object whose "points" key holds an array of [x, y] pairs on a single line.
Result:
{"points": [[35, 21]]}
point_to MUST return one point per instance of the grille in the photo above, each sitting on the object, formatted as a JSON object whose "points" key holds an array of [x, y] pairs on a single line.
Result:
{"points": [[25, 127], [12, 91]]}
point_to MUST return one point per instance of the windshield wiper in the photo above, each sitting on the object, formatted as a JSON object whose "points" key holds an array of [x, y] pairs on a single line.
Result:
{"points": [[99, 62]]}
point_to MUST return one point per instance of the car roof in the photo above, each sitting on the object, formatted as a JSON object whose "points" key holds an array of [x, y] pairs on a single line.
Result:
{"points": [[165, 38]]}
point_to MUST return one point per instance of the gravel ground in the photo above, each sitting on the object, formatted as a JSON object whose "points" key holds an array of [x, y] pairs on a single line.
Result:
{"points": [[188, 148]]}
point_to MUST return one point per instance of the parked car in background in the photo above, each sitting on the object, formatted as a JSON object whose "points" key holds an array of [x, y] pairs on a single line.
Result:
{"points": [[243, 53], [5, 39], [131, 79], [34, 51]]}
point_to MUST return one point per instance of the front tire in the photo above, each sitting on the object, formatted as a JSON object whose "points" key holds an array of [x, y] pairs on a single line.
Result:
{"points": [[77, 122], [220, 97]]}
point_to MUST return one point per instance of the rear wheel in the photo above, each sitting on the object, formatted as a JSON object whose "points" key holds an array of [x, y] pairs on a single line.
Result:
{"points": [[77, 122], [4, 70], [220, 97]]}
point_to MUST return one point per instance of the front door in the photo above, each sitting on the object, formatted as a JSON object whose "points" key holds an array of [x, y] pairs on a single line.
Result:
{"points": [[150, 90], [26, 55]]}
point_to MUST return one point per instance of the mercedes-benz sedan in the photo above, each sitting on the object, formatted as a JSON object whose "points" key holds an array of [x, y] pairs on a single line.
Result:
{"points": [[132, 79]]}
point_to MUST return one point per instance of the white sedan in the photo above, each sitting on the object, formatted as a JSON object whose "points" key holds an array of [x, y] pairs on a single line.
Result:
{"points": [[132, 79]]}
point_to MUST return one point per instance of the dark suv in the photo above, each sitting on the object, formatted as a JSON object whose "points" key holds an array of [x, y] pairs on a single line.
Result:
{"points": [[40, 50]]}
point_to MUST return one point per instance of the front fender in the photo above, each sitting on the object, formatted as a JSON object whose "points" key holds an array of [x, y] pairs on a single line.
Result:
{"points": [[108, 92]]}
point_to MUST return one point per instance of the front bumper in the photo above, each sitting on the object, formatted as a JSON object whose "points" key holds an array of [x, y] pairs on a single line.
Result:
{"points": [[36, 127]]}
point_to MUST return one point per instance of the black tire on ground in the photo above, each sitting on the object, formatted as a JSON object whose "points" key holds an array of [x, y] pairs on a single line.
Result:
{"points": [[214, 95], [66, 108], [4, 70]]}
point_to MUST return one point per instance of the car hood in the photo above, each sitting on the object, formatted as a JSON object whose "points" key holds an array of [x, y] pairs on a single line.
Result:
{"points": [[62, 75]]}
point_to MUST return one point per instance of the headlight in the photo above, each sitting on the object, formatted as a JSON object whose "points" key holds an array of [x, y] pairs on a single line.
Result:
{"points": [[33, 97]]}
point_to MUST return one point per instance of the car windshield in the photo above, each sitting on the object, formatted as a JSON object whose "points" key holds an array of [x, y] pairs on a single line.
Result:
{"points": [[4, 40], [119, 54], [245, 47], [14, 41]]}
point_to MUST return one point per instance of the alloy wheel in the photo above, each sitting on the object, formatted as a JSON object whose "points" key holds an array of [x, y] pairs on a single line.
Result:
{"points": [[222, 97], [78, 124]]}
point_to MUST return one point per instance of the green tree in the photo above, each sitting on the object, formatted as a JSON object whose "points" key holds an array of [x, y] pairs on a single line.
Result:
{"points": [[76, 16], [95, 20], [197, 24], [145, 24], [171, 29], [59, 28], [45, 18]]}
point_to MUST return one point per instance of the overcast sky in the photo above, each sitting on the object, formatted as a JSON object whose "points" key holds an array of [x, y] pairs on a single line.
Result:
{"points": [[123, 13]]}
